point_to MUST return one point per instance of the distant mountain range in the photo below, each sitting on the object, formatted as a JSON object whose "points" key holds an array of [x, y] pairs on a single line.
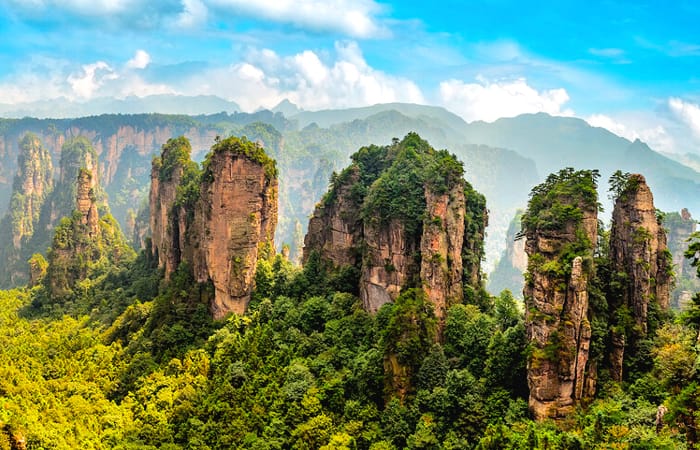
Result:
{"points": [[61, 108]]}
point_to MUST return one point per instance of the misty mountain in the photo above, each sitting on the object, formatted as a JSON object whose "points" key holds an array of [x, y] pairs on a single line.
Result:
{"points": [[557, 142]]}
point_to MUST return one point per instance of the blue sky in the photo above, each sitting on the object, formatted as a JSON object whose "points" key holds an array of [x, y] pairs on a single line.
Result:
{"points": [[631, 67]]}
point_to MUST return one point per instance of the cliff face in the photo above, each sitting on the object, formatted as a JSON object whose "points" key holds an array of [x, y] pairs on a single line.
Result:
{"points": [[166, 175], [32, 184], [219, 220], [389, 263], [560, 228], [441, 248], [680, 226], [80, 240], [404, 217], [234, 218], [336, 227], [637, 249]]}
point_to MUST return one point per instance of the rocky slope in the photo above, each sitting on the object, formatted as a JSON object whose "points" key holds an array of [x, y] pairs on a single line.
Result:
{"points": [[404, 217], [219, 221], [638, 250], [560, 227]]}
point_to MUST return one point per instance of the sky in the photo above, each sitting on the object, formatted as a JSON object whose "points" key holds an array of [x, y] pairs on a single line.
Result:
{"points": [[630, 67]]}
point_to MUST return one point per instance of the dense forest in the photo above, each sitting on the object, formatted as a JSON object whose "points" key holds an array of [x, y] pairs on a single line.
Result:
{"points": [[385, 337]]}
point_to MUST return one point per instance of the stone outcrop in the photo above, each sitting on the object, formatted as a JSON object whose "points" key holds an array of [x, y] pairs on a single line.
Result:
{"points": [[218, 221], [637, 249], [389, 263], [335, 229], [166, 176], [77, 155], [86, 203], [556, 291], [441, 248], [400, 217], [80, 240], [234, 219], [679, 228], [32, 185]]}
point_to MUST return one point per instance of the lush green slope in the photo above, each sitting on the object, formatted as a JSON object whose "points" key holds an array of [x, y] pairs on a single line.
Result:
{"points": [[304, 369]]}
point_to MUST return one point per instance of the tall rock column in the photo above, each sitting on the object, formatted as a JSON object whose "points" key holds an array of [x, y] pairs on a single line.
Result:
{"points": [[560, 226], [640, 261], [405, 217], [234, 219], [441, 248], [32, 185], [166, 175]]}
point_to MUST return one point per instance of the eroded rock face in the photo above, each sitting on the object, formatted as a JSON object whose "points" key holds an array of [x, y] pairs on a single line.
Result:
{"points": [[32, 185], [389, 265], [86, 204], [679, 227], [218, 221], [235, 216], [166, 175], [400, 227], [441, 249], [335, 228], [638, 249], [556, 300]]}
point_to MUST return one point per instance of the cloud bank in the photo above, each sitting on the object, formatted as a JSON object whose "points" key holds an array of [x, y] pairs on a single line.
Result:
{"points": [[488, 101]]}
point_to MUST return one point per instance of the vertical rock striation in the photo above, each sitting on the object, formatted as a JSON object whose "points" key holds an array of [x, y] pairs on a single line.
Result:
{"points": [[641, 264], [404, 217], [32, 185], [217, 220], [166, 175], [335, 228], [560, 226], [680, 227], [234, 220]]}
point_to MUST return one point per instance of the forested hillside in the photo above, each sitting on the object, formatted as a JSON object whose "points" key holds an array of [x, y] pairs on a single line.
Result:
{"points": [[385, 337]]}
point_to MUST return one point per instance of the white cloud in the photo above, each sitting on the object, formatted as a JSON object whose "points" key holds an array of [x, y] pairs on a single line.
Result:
{"points": [[353, 18], [688, 113], [489, 101], [82, 7], [91, 78], [194, 13], [644, 127], [141, 60], [356, 18], [266, 78]]}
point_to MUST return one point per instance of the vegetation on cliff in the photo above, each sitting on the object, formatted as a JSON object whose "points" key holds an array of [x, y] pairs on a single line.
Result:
{"points": [[127, 360], [32, 185], [402, 216]]}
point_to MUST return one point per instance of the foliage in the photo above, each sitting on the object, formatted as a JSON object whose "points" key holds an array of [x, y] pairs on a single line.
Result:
{"points": [[560, 199], [242, 146]]}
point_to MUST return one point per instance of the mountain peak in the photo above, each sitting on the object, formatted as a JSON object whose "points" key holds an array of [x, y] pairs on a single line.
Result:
{"points": [[287, 108]]}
